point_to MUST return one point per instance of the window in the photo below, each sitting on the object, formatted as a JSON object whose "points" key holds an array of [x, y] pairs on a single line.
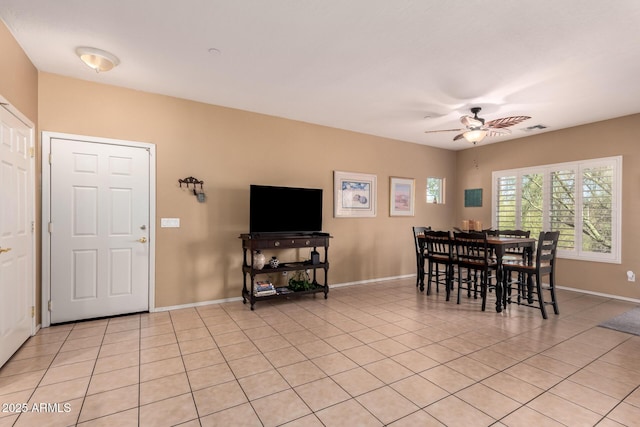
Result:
{"points": [[581, 200], [435, 190]]}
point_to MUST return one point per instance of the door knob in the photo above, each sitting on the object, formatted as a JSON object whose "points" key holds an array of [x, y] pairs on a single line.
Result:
{"points": [[142, 240], [3, 250]]}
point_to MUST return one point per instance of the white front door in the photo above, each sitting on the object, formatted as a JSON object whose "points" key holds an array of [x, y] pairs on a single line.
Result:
{"points": [[16, 234], [99, 229]]}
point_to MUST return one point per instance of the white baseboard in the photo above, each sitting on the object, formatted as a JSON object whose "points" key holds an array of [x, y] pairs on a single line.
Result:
{"points": [[599, 294], [383, 279], [360, 282], [195, 304], [220, 301]]}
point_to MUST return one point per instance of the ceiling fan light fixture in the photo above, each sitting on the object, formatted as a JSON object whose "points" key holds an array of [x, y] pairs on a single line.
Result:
{"points": [[97, 59], [475, 136]]}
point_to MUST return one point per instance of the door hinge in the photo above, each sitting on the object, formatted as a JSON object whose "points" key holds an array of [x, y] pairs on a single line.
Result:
{"points": [[33, 311], [32, 152], [50, 227], [50, 305], [50, 158], [33, 226]]}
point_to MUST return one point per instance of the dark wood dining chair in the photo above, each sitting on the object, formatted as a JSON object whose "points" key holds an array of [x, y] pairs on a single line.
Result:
{"points": [[419, 231], [513, 255], [490, 232], [543, 264], [439, 254], [473, 257]]}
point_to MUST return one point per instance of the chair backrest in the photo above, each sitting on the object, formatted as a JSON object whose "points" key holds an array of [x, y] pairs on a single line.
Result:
{"points": [[518, 234], [523, 234], [546, 251], [418, 231], [490, 232], [471, 249], [439, 244]]}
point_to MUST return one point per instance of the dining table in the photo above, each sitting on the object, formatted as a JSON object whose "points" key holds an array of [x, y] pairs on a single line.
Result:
{"points": [[500, 246]]}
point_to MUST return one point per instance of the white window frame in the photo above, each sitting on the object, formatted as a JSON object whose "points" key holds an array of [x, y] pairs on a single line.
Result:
{"points": [[615, 257], [441, 199]]}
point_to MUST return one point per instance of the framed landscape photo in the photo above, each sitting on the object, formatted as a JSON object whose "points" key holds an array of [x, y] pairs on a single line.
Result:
{"points": [[401, 196], [354, 194]]}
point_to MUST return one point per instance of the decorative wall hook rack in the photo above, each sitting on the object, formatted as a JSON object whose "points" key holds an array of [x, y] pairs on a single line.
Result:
{"points": [[195, 182]]}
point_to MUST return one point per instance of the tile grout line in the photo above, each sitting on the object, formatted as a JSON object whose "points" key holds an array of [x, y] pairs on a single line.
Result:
{"points": [[323, 314]]}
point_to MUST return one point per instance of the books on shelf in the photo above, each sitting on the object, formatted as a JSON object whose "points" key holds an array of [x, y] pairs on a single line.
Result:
{"points": [[263, 288], [265, 293]]}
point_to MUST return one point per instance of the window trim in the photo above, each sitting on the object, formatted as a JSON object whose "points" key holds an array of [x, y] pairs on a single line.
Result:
{"points": [[615, 257], [441, 200]]}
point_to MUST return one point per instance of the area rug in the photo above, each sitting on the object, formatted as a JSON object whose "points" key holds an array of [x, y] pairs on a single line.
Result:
{"points": [[628, 322]]}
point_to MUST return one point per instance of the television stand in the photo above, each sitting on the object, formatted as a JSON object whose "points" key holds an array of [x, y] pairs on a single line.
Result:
{"points": [[271, 242]]}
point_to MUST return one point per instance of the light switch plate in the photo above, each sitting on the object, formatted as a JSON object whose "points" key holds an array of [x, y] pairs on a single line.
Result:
{"points": [[170, 222]]}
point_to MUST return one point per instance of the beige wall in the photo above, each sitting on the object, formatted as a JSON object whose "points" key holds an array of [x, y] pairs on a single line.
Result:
{"points": [[231, 149], [603, 139], [18, 76]]}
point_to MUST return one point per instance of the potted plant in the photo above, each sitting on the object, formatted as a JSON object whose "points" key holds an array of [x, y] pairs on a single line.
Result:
{"points": [[300, 281]]}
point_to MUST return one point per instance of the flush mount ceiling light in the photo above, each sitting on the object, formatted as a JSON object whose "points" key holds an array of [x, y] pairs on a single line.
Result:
{"points": [[97, 59]]}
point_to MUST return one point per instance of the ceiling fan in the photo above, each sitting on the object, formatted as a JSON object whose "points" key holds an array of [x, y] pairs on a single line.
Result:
{"points": [[475, 129]]}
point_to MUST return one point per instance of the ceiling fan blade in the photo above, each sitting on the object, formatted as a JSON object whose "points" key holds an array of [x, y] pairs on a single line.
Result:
{"points": [[442, 130], [506, 121], [457, 137], [470, 122]]}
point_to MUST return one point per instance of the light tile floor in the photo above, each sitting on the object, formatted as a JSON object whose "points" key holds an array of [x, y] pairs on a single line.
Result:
{"points": [[370, 355]]}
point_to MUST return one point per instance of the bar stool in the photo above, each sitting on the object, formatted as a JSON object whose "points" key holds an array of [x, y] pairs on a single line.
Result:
{"points": [[543, 265], [419, 231], [473, 255], [439, 253]]}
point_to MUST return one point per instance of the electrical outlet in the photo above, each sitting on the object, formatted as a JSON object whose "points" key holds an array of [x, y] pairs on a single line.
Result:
{"points": [[631, 276]]}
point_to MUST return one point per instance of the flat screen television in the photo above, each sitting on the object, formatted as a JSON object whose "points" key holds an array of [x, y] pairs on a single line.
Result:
{"points": [[284, 209]]}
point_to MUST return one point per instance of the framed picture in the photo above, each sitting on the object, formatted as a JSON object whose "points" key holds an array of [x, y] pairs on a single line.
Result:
{"points": [[401, 196], [354, 194], [473, 198]]}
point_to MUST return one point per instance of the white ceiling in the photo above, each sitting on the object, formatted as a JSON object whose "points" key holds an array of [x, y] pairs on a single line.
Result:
{"points": [[372, 66]]}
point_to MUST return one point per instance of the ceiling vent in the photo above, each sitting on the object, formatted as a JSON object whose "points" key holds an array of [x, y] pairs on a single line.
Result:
{"points": [[534, 127]]}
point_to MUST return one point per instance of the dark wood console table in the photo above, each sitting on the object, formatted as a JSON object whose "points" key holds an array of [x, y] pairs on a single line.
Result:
{"points": [[254, 242]]}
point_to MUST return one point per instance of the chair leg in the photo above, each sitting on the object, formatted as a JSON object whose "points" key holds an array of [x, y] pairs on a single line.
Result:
{"points": [[484, 277], [505, 288], [507, 282], [529, 294], [475, 284], [552, 289], [449, 280], [459, 285], [521, 287], [429, 278], [540, 296]]}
